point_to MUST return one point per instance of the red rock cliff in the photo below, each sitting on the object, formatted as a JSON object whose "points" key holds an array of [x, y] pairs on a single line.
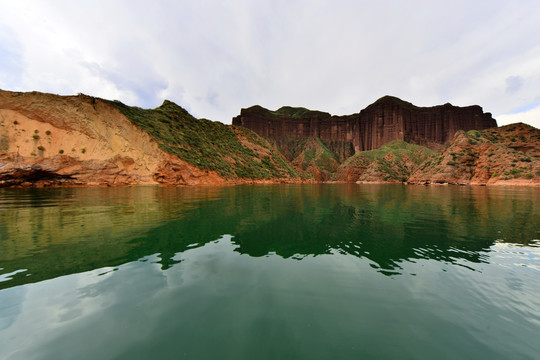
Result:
{"points": [[387, 119]]}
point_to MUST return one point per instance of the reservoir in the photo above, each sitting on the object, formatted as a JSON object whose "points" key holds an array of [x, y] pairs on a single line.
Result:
{"points": [[313, 271]]}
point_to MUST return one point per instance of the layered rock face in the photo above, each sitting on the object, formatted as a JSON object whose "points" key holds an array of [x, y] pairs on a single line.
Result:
{"points": [[387, 119]]}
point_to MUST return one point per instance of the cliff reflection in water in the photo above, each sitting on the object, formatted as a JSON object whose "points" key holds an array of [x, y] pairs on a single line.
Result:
{"points": [[49, 233]]}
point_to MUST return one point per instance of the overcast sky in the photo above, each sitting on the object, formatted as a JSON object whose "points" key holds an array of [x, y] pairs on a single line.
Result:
{"points": [[215, 57]]}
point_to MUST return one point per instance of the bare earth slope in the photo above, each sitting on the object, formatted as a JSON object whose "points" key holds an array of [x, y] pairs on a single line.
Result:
{"points": [[56, 140]]}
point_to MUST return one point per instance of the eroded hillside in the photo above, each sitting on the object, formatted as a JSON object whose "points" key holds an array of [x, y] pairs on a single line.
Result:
{"points": [[48, 139], [393, 162], [499, 156]]}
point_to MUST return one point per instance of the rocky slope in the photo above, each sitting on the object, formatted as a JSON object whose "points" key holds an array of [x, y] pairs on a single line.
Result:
{"points": [[312, 158], [500, 156], [50, 140], [387, 119], [393, 163]]}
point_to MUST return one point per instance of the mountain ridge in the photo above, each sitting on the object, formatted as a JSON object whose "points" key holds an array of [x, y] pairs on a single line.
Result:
{"points": [[52, 140]]}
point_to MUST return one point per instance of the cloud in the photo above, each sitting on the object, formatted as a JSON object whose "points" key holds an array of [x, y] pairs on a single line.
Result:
{"points": [[11, 66], [531, 117], [215, 57], [513, 84], [144, 84]]}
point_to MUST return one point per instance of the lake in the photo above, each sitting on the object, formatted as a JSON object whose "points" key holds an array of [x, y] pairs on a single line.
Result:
{"points": [[330, 271]]}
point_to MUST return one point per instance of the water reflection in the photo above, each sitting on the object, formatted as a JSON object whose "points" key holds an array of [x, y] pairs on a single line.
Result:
{"points": [[63, 231]]}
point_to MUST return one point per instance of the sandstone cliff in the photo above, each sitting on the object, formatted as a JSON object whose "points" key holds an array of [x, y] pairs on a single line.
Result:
{"points": [[387, 119], [48, 140]]}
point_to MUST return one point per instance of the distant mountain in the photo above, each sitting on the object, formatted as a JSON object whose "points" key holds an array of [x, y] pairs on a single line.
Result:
{"points": [[51, 140]]}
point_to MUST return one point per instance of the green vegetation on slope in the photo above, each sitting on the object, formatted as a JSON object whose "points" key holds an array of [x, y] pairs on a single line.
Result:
{"points": [[208, 144], [393, 161], [316, 152], [309, 155], [288, 111], [298, 112], [399, 149], [503, 153]]}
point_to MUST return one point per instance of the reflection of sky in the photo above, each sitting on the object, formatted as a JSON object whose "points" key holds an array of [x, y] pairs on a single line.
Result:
{"points": [[213, 290], [514, 255], [88, 304]]}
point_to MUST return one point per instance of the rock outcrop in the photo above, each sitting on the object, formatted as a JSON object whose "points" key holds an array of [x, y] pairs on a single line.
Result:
{"points": [[387, 119]]}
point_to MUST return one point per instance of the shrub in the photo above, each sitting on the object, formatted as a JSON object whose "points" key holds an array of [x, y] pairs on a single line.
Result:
{"points": [[60, 151], [83, 150], [35, 137], [15, 122], [41, 148], [48, 132]]}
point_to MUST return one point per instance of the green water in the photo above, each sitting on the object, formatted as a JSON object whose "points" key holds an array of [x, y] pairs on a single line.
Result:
{"points": [[270, 272]]}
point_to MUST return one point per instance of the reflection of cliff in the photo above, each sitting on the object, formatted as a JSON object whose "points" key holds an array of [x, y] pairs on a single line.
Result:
{"points": [[64, 231], [390, 224], [387, 119], [56, 232]]}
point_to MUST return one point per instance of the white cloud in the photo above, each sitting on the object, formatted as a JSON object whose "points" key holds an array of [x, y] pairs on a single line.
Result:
{"points": [[531, 117], [214, 57]]}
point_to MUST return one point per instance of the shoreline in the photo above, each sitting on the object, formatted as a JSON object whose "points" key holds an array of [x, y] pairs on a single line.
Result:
{"points": [[48, 185]]}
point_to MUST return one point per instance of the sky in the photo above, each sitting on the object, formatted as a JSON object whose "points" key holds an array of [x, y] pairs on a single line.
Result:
{"points": [[215, 57]]}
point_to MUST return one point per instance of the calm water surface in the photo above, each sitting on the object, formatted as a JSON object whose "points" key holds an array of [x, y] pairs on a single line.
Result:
{"points": [[270, 272]]}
